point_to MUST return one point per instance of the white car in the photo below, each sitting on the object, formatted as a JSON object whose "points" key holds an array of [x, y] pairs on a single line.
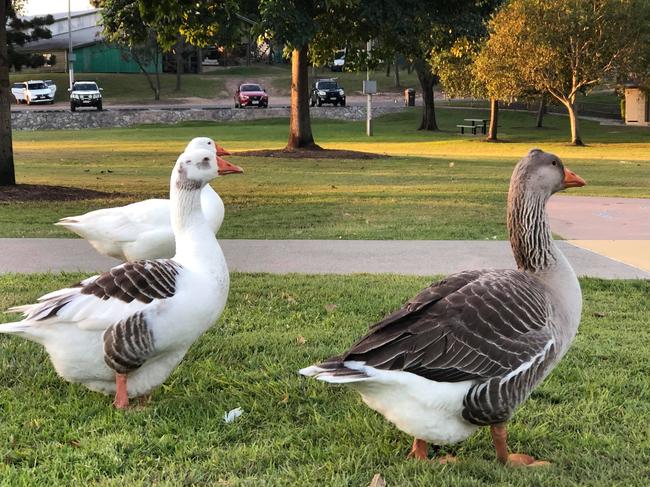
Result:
{"points": [[52, 87], [18, 90], [36, 91]]}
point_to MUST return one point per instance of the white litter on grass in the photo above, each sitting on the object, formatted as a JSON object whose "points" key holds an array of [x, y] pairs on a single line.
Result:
{"points": [[232, 415]]}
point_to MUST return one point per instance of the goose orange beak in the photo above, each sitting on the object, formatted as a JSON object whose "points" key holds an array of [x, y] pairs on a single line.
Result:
{"points": [[572, 180], [226, 168], [221, 151]]}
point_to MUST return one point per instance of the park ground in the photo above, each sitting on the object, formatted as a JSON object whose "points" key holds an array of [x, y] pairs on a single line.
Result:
{"points": [[589, 418]]}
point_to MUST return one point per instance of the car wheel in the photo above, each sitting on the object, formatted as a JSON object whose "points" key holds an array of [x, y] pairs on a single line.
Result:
{"points": [[72, 107], [320, 102], [99, 107], [51, 102], [312, 102], [343, 103]]}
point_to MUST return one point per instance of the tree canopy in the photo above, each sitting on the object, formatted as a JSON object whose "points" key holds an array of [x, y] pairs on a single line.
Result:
{"points": [[565, 47]]}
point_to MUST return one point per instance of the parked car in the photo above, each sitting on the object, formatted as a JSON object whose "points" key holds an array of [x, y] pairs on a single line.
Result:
{"points": [[327, 91], [36, 91], [251, 95], [51, 86], [18, 90], [339, 61], [85, 94]]}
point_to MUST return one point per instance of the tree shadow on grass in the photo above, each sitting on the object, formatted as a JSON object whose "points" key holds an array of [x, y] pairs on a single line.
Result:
{"points": [[43, 192]]}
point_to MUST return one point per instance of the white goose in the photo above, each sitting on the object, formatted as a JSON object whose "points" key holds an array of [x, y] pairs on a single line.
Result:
{"points": [[143, 230], [466, 351], [124, 331]]}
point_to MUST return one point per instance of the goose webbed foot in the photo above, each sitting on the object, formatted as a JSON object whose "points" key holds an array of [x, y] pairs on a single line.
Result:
{"points": [[420, 451], [121, 396], [500, 439]]}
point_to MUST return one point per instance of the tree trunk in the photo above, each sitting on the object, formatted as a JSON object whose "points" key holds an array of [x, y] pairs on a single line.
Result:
{"points": [[397, 84], [300, 136], [541, 110], [7, 173], [155, 87], [575, 124], [179, 64], [494, 120], [426, 78]]}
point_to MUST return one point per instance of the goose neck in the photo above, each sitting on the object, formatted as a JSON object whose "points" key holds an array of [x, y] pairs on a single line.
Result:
{"points": [[529, 230]]}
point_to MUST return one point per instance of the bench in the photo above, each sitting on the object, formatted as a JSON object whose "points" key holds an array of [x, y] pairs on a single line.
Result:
{"points": [[472, 128]]}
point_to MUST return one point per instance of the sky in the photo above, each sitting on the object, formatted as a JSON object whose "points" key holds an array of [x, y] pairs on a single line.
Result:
{"points": [[42, 7]]}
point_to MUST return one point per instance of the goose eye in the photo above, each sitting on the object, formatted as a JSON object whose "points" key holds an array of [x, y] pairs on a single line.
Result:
{"points": [[554, 163]]}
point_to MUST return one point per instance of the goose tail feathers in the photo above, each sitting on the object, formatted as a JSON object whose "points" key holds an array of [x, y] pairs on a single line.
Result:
{"points": [[337, 371]]}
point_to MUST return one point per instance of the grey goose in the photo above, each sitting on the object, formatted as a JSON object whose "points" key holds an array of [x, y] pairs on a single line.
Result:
{"points": [[466, 351]]}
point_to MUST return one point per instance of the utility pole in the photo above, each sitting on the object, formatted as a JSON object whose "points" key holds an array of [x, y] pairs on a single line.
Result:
{"points": [[367, 90], [70, 52]]}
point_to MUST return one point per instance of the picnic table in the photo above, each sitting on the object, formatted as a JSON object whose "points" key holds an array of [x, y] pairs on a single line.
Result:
{"points": [[478, 122]]}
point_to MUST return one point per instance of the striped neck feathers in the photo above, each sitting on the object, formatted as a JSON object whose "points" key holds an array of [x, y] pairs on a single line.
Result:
{"points": [[529, 230]]}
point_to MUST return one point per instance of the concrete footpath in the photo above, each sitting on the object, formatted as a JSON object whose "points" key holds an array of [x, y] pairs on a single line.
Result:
{"points": [[412, 257]]}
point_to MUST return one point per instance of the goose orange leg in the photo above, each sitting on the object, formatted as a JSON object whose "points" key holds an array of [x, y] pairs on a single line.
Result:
{"points": [[500, 439], [121, 396], [420, 450]]}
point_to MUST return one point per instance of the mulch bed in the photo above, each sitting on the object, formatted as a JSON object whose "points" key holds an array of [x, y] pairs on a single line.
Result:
{"points": [[43, 192], [311, 154]]}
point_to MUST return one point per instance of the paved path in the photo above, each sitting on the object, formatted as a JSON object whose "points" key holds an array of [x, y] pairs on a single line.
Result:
{"points": [[413, 257], [618, 228]]}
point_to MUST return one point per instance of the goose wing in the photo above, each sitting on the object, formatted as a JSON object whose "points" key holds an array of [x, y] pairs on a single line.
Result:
{"points": [[102, 300], [472, 325]]}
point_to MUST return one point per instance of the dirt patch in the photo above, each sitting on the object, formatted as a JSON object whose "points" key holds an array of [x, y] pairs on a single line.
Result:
{"points": [[42, 192], [311, 154]]}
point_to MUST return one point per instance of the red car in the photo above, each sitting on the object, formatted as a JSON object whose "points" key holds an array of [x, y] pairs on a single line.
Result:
{"points": [[251, 95]]}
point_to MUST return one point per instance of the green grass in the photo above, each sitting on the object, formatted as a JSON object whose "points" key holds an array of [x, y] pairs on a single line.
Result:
{"points": [[415, 194], [590, 417]]}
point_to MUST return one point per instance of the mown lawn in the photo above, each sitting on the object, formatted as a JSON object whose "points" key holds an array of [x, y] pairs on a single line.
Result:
{"points": [[434, 186], [590, 418]]}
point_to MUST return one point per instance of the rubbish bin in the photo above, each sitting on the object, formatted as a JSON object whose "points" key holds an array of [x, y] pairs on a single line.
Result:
{"points": [[409, 97]]}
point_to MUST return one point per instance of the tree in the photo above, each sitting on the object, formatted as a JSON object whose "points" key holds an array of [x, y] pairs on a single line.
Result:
{"points": [[125, 27], [567, 47], [20, 31], [420, 30], [295, 23]]}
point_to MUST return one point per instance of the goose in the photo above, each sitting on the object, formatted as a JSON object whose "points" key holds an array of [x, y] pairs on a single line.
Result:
{"points": [[143, 230], [467, 350], [124, 331]]}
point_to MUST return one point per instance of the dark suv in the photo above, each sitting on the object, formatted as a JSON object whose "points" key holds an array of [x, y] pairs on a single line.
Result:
{"points": [[85, 94], [327, 91]]}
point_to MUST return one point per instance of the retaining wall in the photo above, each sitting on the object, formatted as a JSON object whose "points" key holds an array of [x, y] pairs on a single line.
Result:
{"points": [[126, 117]]}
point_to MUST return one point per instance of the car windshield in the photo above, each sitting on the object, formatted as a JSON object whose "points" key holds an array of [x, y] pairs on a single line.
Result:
{"points": [[85, 87], [36, 86], [49, 82], [18, 85], [328, 85], [250, 88]]}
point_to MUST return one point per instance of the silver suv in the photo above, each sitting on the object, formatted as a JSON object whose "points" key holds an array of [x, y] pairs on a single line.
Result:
{"points": [[85, 94]]}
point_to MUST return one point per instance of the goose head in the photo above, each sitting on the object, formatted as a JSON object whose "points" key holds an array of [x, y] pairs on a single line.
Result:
{"points": [[206, 143], [544, 174], [194, 169]]}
